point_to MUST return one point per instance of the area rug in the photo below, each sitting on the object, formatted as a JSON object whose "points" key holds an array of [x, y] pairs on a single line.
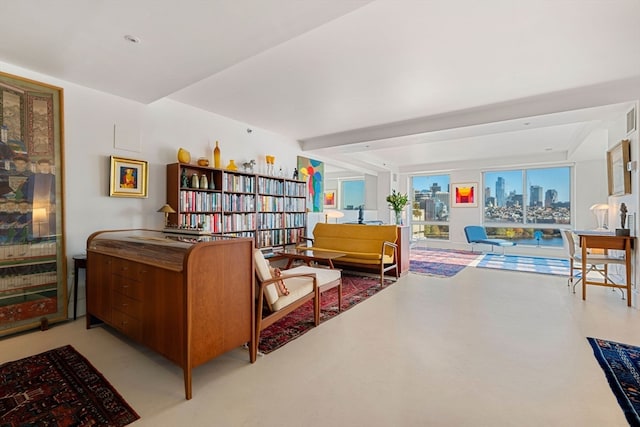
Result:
{"points": [[555, 266], [439, 262], [621, 366], [59, 388], [355, 289]]}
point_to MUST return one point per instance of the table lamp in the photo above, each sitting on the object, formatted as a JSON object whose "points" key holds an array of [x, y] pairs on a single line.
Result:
{"points": [[330, 213], [600, 210], [167, 210]]}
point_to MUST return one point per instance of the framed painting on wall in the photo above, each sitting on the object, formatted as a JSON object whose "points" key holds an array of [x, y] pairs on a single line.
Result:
{"points": [[618, 177], [312, 171], [464, 195], [33, 289], [330, 199], [128, 178]]}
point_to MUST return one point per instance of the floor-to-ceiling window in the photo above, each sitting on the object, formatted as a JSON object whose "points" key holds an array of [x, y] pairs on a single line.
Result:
{"points": [[430, 206], [351, 194], [528, 206]]}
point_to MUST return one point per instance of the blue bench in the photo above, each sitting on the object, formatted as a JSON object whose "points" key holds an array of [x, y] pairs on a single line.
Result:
{"points": [[477, 234]]}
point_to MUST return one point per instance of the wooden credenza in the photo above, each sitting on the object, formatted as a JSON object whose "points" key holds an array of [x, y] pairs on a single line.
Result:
{"points": [[187, 300]]}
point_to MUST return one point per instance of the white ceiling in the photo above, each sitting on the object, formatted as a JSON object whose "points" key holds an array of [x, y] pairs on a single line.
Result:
{"points": [[404, 85]]}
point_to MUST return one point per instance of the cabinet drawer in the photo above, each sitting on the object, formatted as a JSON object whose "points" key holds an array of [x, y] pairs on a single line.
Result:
{"points": [[126, 286], [127, 325], [129, 269], [127, 305]]}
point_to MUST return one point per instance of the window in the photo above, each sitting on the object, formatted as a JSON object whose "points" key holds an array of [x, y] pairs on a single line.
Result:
{"points": [[430, 206], [521, 204], [352, 194]]}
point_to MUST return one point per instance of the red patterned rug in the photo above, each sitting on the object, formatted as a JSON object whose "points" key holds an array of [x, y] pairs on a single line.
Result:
{"points": [[59, 388], [355, 289]]}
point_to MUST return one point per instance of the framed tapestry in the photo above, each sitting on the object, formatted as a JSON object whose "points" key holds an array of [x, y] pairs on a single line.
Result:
{"points": [[33, 289]]}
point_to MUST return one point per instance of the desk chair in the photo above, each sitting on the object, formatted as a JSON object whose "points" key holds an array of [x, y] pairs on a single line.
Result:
{"points": [[596, 262]]}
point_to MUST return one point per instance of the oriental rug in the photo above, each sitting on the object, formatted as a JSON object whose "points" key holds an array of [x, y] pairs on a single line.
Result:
{"points": [[440, 262], [355, 289], [555, 266], [621, 366], [59, 388]]}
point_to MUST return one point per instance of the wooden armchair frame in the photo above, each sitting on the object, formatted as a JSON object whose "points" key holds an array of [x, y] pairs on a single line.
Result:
{"points": [[263, 323]]}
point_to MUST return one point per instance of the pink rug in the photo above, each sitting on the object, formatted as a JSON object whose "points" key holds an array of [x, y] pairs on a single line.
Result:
{"points": [[440, 262]]}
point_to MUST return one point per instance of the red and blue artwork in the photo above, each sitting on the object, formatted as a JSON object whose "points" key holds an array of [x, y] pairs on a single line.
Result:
{"points": [[312, 171]]}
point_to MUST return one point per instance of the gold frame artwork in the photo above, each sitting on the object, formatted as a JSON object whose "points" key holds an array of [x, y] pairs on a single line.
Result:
{"points": [[129, 178], [33, 276], [618, 177]]}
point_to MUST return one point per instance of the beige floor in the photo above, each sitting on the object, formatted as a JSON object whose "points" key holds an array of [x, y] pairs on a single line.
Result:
{"points": [[485, 348]]}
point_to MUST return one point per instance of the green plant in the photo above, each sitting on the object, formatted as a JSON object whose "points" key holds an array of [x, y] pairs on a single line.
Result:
{"points": [[397, 201]]}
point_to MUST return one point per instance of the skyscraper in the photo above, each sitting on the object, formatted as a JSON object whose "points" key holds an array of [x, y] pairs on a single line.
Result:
{"points": [[500, 191], [550, 198], [535, 196]]}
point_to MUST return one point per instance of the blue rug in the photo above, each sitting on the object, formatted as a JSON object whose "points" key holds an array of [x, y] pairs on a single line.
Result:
{"points": [[556, 266], [621, 366]]}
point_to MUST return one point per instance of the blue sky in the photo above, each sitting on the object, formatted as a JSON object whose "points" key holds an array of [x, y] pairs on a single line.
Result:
{"points": [[425, 182], [353, 193]]}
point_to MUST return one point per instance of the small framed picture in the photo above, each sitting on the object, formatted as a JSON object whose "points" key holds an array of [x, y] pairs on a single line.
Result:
{"points": [[330, 199], [464, 195], [128, 178]]}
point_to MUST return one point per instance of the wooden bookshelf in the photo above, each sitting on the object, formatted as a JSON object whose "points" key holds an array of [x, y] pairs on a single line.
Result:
{"points": [[271, 210]]}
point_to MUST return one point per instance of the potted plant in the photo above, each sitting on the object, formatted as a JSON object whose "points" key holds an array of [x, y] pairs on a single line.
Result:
{"points": [[397, 201]]}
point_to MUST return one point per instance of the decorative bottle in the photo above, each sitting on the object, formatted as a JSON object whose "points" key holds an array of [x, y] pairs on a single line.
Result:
{"points": [[216, 156], [184, 179], [204, 183], [195, 181]]}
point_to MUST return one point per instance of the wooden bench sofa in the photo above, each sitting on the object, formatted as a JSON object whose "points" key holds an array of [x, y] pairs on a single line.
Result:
{"points": [[364, 246]]}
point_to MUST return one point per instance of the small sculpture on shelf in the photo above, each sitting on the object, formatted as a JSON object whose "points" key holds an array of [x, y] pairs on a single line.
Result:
{"points": [[623, 220], [248, 166], [295, 173]]}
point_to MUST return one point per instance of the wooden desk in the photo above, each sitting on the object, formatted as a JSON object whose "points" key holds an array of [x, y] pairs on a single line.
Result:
{"points": [[606, 241]]}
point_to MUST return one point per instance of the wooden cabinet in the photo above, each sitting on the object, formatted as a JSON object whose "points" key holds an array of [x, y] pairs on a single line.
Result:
{"points": [[189, 301], [271, 210]]}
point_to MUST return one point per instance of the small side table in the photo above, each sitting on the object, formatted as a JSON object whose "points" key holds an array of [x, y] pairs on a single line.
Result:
{"points": [[79, 261]]}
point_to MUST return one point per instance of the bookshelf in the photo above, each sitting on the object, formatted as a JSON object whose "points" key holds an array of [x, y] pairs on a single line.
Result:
{"points": [[271, 210]]}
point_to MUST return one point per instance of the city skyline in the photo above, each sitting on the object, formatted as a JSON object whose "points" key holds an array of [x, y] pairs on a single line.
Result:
{"points": [[557, 178]]}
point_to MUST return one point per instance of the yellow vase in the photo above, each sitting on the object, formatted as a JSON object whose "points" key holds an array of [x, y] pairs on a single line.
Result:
{"points": [[216, 156], [232, 166], [184, 156]]}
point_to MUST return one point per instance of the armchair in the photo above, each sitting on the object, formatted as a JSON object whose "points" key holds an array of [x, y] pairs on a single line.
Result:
{"points": [[302, 287]]}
